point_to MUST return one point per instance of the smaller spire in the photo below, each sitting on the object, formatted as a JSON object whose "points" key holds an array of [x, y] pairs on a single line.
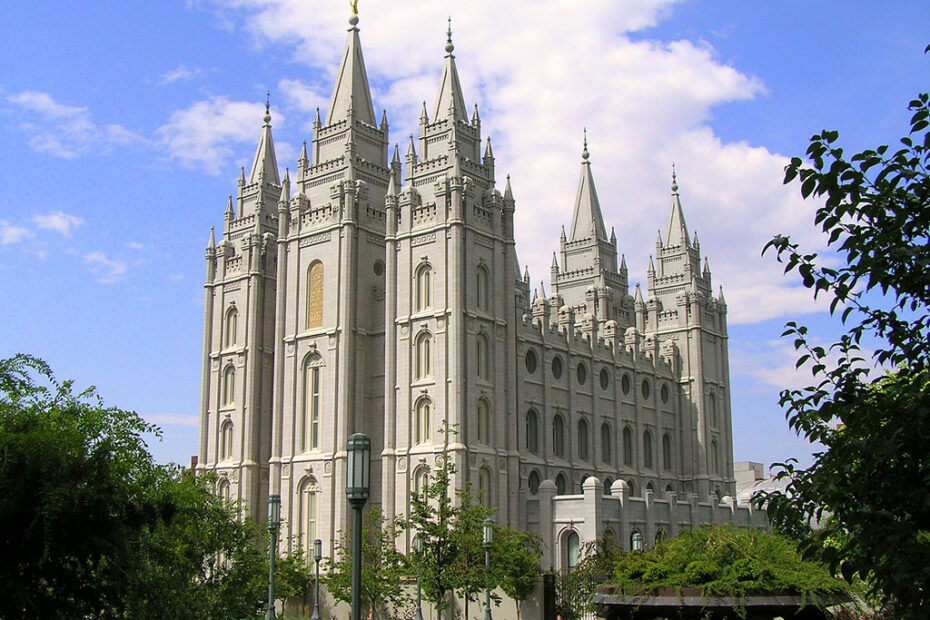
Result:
{"points": [[652, 266], [613, 236], [542, 289], [449, 47], [488, 153], [720, 298], [424, 115], [286, 186], [695, 243], [411, 156], [241, 176], [555, 262], [392, 187], [267, 117], [384, 123], [706, 268], [659, 238], [638, 297], [211, 244], [475, 119], [584, 152], [302, 161], [316, 119], [508, 193], [230, 212], [395, 159], [674, 179], [623, 267], [526, 274], [563, 235]]}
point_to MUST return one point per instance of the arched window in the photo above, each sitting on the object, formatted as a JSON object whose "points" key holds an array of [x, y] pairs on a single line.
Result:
{"points": [[627, 446], [222, 490], [651, 488], [312, 403], [717, 494], [558, 436], [482, 287], [631, 488], [229, 337], [226, 440], [532, 431], [660, 535], [714, 458], [606, 444], [712, 407], [636, 541], [423, 288], [482, 357], [584, 477], [229, 385], [666, 452], [669, 489], [484, 422], [647, 449], [533, 482], [420, 481], [307, 497], [608, 482], [484, 486], [572, 550], [560, 484], [582, 439], [424, 356], [422, 432], [315, 295]]}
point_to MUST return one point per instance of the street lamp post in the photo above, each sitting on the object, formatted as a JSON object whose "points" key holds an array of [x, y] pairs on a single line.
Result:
{"points": [[488, 535], [274, 520], [358, 486], [418, 547], [317, 556]]}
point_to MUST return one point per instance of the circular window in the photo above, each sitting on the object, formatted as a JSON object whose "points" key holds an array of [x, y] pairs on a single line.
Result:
{"points": [[533, 482], [664, 394], [645, 388], [625, 383], [605, 379], [557, 367], [379, 268], [530, 361], [582, 373]]}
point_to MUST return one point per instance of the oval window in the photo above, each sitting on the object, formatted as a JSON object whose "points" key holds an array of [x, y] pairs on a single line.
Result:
{"points": [[605, 379], [646, 388], [557, 367], [582, 373], [625, 383], [664, 394], [379, 268], [530, 361]]}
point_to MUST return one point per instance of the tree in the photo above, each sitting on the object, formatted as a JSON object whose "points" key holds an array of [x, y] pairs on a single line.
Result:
{"points": [[868, 485], [384, 568], [91, 526], [515, 556], [449, 526], [575, 588]]}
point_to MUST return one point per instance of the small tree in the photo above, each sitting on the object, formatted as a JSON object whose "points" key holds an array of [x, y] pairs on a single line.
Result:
{"points": [[515, 556], [575, 588], [384, 568]]}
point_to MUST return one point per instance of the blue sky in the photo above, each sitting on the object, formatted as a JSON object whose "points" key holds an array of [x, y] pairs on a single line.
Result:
{"points": [[123, 126]]}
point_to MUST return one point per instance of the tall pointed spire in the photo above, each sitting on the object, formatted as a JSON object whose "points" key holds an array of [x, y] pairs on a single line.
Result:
{"points": [[677, 229], [449, 100], [351, 94], [587, 221], [264, 165]]}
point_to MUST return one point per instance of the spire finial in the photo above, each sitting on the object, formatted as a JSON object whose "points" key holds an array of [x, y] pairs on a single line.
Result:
{"points": [[584, 153], [449, 46], [353, 19], [267, 117], [674, 179]]}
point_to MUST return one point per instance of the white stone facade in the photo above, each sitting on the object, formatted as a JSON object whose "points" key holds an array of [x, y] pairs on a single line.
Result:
{"points": [[379, 296]]}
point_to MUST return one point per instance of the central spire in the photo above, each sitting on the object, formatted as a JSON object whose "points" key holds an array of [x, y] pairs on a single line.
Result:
{"points": [[351, 95], [449, 101], [264, 165], [587, 221], [677, 233]]}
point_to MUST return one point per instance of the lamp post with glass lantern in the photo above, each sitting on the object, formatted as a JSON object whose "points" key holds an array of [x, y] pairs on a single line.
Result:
{"points": [[358, 486], [274, 521], [317, 556], [488, 535], [418, 548]]}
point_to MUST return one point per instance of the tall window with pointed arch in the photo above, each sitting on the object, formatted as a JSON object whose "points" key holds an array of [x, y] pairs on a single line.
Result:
{"points": [[229, 385], [484, 422], [423, 287], [223, 490], [666, 452], [558, 436], [532, 431], [315, 295], [647, 449], [311, 403], [714, 458], [481, 291], [423, 367], [420, 481], [482, 357], [421, 423], [583, 439], [307, 502], [627, 446], [229, 334], [712, 407], [226, 440], [606, 444], [484, 487], [572, 550]]}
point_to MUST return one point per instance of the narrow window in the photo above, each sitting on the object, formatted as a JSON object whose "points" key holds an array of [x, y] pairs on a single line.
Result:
{"points": [[582, 439], [482, 355], [712, 406], [560, 484], [423, 288], [315, 295], [606, 444], [311, 406], [532, 431], [482, 288], [572, 550], [226, 440], [647, 450], [422, 423], [558, 436], [666, 452], [627, 446], [714, 458], [484, 423], [223, 490], [307, 514], [232, 317], [229, 385], [423, 356], [484, 487], [533, 482], [420, 482]]}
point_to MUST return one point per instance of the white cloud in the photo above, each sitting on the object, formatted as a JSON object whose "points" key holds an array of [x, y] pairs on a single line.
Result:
{"points": [[63, 130], [58, 221], [543, 70], [774, 363], [106, 269], [172, 419], [208, 133], [10, 233], [134, 245], [179, 74]]}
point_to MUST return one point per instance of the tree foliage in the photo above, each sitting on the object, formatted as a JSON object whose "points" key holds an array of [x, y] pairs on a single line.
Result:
{"points": [[384, 568], [575, 588], [515, 556], [872, 476], [90, 526]]}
